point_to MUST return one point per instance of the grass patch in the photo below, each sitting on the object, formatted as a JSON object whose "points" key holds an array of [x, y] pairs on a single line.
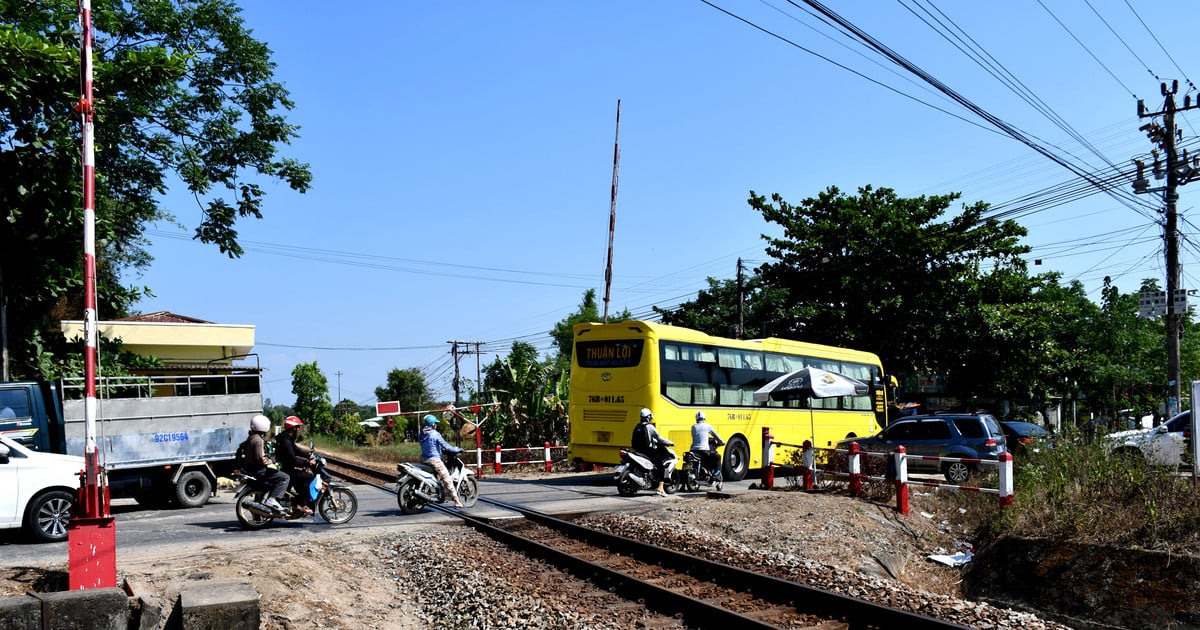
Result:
{"points": [[1079, 493]]}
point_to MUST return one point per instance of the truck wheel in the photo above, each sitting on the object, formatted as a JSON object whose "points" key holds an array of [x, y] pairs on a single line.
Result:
{"points": [[47, 515], [193, 489]]}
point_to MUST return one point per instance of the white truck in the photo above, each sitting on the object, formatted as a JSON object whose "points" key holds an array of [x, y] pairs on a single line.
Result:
{"points": [[162, 438]]}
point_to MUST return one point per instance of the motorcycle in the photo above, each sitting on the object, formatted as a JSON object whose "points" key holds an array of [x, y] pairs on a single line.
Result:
{"points": [[637, 472], [334, 501], [696, 474], [418, 486]]}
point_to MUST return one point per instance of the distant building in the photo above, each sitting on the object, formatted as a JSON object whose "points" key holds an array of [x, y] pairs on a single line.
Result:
{"points": [[182, 343]]}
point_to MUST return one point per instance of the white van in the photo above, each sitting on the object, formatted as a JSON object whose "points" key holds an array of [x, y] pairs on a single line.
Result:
{"points": [[37, 490]]}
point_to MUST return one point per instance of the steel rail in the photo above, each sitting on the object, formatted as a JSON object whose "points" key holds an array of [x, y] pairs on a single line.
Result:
{"points": [[803, 598]]}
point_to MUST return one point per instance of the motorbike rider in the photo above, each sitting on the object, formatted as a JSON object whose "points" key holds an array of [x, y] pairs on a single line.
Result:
{"points": [[292, 462], [705, 441], [255, 462], [432, 446], [647, 441]]}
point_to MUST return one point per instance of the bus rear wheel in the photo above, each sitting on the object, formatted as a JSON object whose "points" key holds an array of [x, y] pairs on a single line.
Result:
{"points": [[737, 459]]}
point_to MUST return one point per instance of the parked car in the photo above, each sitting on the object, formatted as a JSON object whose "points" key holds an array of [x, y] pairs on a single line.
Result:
{"points": [[1167, 444], [39, 490], [966, 435], [1022, 438]]}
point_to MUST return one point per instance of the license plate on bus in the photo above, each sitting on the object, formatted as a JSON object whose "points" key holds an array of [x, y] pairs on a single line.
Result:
{"points": [[602, 436]]}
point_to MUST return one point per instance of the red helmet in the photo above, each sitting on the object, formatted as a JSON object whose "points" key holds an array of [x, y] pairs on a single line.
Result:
{"points": [[292, 422]]}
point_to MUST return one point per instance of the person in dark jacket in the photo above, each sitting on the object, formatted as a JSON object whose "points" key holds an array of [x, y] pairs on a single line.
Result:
{"points": [[257, 464], [294, 463]]}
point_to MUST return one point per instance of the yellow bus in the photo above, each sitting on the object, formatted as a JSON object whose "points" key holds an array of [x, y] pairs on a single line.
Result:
{"points": [[619, 368]]}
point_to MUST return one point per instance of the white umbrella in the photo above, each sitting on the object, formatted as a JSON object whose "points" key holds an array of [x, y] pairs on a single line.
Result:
{"points": [[810, 382]]}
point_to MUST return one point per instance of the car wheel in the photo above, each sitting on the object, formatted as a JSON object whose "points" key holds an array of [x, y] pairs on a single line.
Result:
{"points": [[47, 515], [193, 489], [957, 472], [737, 459]]}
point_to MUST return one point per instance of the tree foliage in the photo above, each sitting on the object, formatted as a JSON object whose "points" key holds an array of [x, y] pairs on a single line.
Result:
{"points": [[563, 332], [411, 389], [946, 296], [183, 94], [312, 398]]}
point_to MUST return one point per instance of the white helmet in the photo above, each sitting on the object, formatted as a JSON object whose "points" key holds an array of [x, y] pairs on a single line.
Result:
{"points": [[699, 416], [260, 423], [646, 415]]}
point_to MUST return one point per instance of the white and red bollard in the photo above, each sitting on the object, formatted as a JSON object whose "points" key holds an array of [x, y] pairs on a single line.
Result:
{"points": [[900, 468], [498, 455], [809, 466], [768, 453], [855, 469], [1006, 479], [547, 456]]}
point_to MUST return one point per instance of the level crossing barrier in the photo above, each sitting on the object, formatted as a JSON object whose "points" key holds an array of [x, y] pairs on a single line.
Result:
{"points": [[521, 456], [897, 470]]}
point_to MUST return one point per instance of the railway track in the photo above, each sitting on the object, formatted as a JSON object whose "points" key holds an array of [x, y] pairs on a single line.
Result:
{"points": [[704, 593]]}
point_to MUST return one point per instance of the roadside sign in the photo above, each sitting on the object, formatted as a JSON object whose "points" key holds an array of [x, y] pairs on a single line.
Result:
{"points": [[390, 408]]}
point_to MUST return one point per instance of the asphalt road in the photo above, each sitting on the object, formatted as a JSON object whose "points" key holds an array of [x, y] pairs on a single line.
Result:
{"points": [[214, 524]]}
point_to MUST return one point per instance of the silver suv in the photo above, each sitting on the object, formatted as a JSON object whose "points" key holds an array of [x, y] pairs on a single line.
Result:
{"points": [[956, 435]]}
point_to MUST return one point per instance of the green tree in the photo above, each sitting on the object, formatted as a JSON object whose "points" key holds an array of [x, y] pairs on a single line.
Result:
{"points": [[312, 398], [533, 397], [411, 389], [563, 332], [182, 93]]}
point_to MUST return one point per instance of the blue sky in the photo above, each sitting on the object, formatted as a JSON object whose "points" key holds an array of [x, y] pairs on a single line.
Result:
{"points": [[462, 155]]}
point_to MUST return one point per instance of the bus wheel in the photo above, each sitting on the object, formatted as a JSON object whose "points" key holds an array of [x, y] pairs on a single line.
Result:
{"points": [[737, 459]]}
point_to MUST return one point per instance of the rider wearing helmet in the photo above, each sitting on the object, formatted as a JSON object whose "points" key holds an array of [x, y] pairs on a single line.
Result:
{"points": [[701, 432], [647, 441], [256, 462], [293, 462], [432, 446]]}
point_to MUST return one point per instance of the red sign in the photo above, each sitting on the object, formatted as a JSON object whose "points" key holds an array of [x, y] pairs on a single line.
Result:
{"points": [[387, 408]]}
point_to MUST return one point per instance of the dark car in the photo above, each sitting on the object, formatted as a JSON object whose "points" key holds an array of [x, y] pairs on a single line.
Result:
{"points": [[1024, 437], [966, 435]]}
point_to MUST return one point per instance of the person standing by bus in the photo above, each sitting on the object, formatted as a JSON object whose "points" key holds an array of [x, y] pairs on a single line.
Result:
{"points": [[702, 433], [647, 441]]}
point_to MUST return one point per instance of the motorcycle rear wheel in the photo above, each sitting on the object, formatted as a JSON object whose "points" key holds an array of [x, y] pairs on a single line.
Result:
{"points": [[627, 488], [338, 506], [468, 491], [690, 483], [672, 484], [248, 519], [406, 496]]}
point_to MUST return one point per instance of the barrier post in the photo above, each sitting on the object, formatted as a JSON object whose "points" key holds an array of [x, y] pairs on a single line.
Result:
{"points": [[900, 465], [768, 470], [547, 452], [810, 462], [1006, 479], [497, 459], [855, 470], [479, 460]]}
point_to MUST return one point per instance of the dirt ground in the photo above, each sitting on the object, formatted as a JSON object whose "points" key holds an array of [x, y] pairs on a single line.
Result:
{"points": [[339, 579]]}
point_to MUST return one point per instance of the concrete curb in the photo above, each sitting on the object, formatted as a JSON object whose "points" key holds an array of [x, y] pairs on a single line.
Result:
{"points": [[214, 605]]}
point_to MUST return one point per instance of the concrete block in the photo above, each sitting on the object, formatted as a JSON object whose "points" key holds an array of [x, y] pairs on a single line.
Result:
{"points": [[219, 605], [20, 612], [87, 609]]}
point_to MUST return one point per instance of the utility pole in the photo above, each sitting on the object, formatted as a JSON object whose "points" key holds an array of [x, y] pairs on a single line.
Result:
{"points": [[741, 327], [466, 350], [339, 375], [1178, 171]]}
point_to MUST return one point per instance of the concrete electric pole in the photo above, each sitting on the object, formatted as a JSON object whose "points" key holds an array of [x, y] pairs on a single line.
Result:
{"points": [[1178, 170]]}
